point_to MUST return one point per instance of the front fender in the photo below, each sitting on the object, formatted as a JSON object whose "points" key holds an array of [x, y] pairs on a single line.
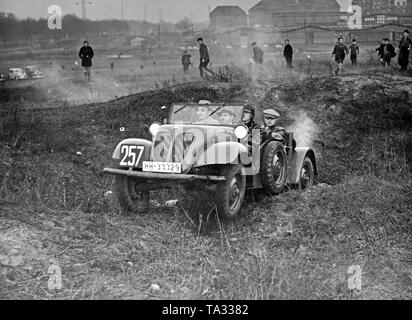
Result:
{"points": [[137, 142], [224, 153], [295, 165]]}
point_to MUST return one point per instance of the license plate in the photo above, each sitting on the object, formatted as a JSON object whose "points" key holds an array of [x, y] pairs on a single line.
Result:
{"points": [[163, 167]]}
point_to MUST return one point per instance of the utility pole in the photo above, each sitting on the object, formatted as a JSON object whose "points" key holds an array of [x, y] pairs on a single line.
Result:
{"points": [[83, 4], [158, 33], [145, 11], [122, 9], [160, 21], [191, 22]]}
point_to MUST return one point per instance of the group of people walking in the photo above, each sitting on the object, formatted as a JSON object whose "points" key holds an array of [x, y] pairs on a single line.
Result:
{"points": [[386, 52]]}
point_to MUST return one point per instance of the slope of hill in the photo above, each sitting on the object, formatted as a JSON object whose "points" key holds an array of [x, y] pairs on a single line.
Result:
{"points": [[57, 208]]}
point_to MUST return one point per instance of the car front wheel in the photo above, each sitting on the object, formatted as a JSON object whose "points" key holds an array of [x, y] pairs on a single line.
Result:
{"points": [[230, 193], [273, 167], [131, 198]]}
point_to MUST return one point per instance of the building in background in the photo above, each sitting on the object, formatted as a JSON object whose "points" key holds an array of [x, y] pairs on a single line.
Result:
{"points": [[378, 12], [224, 18], [308, 22], [294, 13]]}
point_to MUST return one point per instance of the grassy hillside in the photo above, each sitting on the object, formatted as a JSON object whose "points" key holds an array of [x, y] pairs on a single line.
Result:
{"points": [[56, 209]]}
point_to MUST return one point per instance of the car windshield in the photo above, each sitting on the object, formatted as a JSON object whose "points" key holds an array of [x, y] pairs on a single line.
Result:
{"points": [[210, 114]]}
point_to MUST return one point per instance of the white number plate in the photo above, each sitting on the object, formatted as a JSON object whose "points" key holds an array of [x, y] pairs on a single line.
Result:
{"points": [[164, 167], [130, 155]]}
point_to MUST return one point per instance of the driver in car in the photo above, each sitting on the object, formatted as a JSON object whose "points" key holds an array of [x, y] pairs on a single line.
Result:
{"points": [[248, 118], [203, 113]]}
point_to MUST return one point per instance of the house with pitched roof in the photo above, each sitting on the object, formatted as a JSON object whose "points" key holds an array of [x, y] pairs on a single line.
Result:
{"points": [[224, 18]]}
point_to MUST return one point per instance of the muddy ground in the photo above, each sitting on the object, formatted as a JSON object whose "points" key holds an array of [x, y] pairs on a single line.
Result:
{"points": [[59, 212]]}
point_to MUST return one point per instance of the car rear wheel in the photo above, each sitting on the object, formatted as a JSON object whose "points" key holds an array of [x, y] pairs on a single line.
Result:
{"points": [[130, 197], [273, 167], [230, 193], [307, 174]]}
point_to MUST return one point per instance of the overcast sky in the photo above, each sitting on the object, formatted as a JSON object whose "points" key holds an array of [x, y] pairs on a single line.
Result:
{"points": [[171, 10]]}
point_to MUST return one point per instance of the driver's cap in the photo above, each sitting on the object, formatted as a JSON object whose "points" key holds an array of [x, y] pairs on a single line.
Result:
{"points": [[249, 108]]}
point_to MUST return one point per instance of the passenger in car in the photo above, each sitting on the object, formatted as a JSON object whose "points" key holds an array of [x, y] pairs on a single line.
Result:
{"points": [[226, 116], [271, 117]]}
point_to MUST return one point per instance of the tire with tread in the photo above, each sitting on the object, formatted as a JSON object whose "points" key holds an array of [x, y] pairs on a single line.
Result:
{"points": [[132, 200], [230, 193], [273, 168]]}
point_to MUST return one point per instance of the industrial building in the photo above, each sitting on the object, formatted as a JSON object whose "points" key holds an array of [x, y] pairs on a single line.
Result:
{"points": [[308, 22], [378, 12], [294, 13], [224, 18]]}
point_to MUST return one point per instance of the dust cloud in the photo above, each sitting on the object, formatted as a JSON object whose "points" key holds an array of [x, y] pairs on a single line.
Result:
{"points": [[69, 85], [304, 129]]}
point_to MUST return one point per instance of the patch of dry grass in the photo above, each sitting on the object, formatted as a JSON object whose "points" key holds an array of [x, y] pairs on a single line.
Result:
{"points": [[293, 246]]}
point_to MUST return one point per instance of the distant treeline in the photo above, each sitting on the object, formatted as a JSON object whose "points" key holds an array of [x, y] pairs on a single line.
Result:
{"points": [[31, 32]]}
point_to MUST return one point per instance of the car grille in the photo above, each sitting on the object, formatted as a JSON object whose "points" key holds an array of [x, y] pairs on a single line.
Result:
{"points": [[170, 148]]}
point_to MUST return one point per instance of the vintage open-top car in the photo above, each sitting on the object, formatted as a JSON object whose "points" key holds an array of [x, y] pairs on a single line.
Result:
{"points": [[205, 146]]}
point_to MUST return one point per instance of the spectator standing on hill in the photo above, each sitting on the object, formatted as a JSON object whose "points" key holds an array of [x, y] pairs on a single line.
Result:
{"points": [[186, 61], [86, 54], [340, 52], [288, 53], [404, 50], [204, 57], [354, 51], [388, 52], [257, 53], [379, 50]]}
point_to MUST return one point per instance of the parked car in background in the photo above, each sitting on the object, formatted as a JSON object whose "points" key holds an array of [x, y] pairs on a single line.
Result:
{"points": [[16, 74], [32, 72]]}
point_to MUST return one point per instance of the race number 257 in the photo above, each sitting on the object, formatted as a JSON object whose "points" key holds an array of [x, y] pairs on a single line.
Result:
{"points": [[131, 155]]}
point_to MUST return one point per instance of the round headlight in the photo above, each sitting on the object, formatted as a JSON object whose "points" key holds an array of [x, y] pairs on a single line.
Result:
{"points": [[154, 128], [241, 132]]}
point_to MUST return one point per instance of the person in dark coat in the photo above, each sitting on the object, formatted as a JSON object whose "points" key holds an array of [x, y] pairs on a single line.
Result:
{"points": [[340, 52], [288, 53], [379, 49], [186, 61], [388, 52], [404, 50], [86, 54], [204, 57], [257, 53], [248, 118], [354, 51]]}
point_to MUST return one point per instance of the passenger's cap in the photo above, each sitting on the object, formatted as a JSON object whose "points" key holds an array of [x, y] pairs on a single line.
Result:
{"points": [[271, 112]]}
